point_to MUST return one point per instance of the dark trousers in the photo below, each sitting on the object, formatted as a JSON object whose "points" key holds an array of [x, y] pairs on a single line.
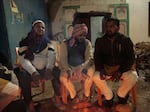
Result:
{"points": [[25, 79]]}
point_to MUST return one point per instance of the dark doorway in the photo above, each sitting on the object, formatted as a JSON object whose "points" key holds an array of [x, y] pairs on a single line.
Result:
{"points": [[5, 57], [89, 19]]}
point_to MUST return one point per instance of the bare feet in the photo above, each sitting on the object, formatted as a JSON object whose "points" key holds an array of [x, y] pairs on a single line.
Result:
{"points": [[59, 104]]}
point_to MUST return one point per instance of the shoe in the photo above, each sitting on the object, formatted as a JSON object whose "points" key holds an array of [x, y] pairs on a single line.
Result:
{"points": [[123, 100], [109, 103]]}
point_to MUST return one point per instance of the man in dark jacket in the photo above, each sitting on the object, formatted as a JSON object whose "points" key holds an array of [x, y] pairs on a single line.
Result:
{"points": [[114, 59]]}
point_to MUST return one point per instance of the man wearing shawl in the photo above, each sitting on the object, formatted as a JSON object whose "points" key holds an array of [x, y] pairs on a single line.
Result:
{"points": [[37, 59], [76, 59]]}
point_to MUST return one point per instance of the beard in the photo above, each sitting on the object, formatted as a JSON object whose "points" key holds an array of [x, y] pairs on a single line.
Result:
{"points": [[110, 34], [36, 38]]}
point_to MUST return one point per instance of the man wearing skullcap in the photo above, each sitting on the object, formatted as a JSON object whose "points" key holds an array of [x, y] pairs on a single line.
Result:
{"points": [[77, 59], [37, 58]]}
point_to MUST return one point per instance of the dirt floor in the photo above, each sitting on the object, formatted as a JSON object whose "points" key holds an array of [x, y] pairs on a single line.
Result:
{"points": [[44, 103], [143, 101]]}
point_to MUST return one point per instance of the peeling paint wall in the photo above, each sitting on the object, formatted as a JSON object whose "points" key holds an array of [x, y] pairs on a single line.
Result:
{"points": [[19, 16], [138, 15], [85, 6]]}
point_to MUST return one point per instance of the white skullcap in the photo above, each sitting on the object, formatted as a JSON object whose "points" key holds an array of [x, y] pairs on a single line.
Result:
{"points": [[37, 21]]}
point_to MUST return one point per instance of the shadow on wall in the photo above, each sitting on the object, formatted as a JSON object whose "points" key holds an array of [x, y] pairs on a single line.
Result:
{"points": [[58, 37], [4, 60]]}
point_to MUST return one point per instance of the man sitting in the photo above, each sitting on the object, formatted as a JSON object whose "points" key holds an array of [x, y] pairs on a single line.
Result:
{"points": [[76, 60]]}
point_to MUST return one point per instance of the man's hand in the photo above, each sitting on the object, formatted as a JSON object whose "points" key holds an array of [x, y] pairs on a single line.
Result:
{"points": [[56, 72], [69, 73], [116, 76], [78, 71], [85, 73], [48, 74], [102, 75], [35, 77]]}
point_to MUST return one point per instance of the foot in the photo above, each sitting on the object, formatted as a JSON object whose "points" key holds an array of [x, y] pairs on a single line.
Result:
{"points": [[124, 108], [85, 99], [81, 105], [108, 109], [58, 103], [61, 106], [108, 103], [75, 100], [31, 107]]}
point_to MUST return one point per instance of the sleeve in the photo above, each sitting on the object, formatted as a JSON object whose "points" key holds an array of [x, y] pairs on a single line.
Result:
{"points": [[88, 55], [51, 57], [64, 57], [98, 58], [129, 56], [25, 63]]}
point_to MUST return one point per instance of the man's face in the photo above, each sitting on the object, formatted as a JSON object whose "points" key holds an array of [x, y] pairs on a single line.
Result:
{"points": [[39, 29], [111, 28], [81, 36]]}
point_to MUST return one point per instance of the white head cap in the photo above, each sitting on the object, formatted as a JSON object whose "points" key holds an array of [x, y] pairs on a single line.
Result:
{"points": [[37, 21]]}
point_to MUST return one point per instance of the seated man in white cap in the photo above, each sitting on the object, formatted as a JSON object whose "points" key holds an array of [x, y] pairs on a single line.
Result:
{"points": [[37, 58], [76, 59]]}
